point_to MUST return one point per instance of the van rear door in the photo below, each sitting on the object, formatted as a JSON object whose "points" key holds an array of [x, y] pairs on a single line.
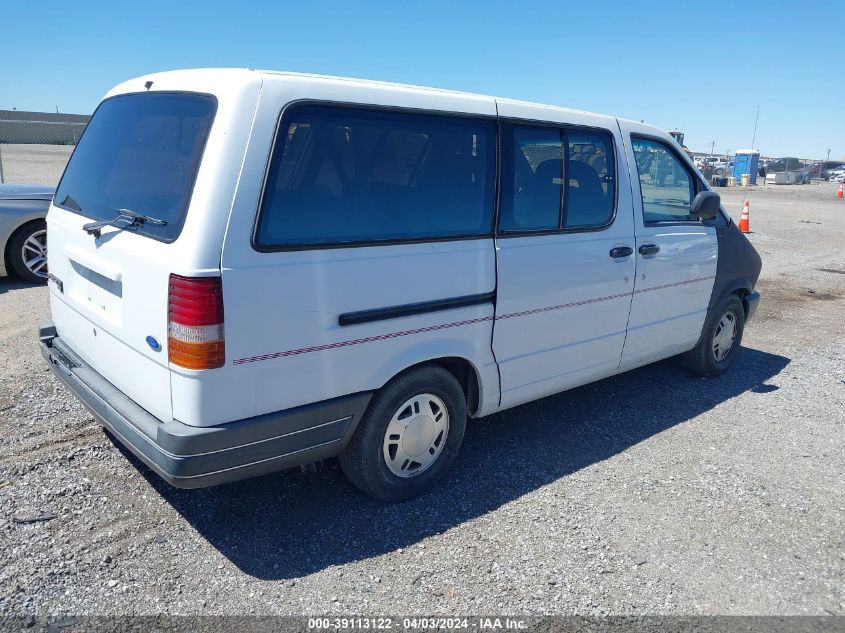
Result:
{"points": [[143, 152]]}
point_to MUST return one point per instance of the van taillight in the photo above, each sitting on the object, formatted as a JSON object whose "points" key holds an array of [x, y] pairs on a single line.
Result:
{"points": [[195, 322]]}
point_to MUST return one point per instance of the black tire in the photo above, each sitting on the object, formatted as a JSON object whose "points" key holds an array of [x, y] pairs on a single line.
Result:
{"points": [[701, 359], [363, 461], [14, 251]]}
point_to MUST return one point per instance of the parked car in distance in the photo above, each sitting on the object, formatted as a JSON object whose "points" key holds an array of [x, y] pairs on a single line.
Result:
{"points": [[783, 164], [712, 161], [23, 231], [764, 166], [256, 270], [829, 167], [799, 173], [713, 165]]}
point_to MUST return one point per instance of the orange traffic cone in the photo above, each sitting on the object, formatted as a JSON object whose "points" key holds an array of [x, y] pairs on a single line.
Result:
{"points": [[840, 193], [744, 224]]}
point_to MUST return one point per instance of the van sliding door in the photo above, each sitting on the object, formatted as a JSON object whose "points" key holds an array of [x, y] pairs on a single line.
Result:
{"points": [[565, 247]]}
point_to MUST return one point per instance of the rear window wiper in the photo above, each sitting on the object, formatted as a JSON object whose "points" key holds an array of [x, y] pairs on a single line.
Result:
{"points": [[124, 220]]}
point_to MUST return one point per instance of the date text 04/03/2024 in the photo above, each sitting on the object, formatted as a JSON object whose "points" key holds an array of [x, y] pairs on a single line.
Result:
{"points": [[413, 623]]}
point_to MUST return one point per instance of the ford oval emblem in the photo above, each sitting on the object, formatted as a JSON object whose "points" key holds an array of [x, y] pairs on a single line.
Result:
{"points": [[153, 343]]}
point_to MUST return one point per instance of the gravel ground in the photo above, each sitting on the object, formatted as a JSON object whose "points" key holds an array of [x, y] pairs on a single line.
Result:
{"points": [[652, 492]]}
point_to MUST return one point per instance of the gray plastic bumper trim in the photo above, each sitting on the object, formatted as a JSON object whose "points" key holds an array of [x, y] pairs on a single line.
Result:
{"points": [[196, 457]]}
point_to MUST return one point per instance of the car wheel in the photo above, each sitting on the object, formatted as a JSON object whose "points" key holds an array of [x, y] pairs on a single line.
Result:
{"points": [[719, 171], [409, 436], [720, 339], [27, 251]]}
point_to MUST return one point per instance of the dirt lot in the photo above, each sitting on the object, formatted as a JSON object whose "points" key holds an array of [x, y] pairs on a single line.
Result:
{"points": [[650, 492]]}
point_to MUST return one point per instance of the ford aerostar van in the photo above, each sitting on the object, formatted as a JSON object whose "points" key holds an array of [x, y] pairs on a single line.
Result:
{"points": [[256, 270]]}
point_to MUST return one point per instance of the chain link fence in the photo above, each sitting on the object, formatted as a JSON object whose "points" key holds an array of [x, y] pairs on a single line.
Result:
{"points": [[35, 146]]}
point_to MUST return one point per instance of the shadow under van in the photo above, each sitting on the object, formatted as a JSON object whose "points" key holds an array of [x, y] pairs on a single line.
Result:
{"points": [[286, 525]]}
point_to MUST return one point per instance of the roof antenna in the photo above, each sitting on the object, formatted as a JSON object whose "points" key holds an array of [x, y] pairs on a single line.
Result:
{"points": [[148, 84]]}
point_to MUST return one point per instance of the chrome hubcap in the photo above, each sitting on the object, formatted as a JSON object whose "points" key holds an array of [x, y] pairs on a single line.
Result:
{"points": [[416, 435], [723, 338], [34, 253]]}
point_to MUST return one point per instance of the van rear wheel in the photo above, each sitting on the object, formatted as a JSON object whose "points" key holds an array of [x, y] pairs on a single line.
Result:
{"points": [[720, 339], [409, 436]]}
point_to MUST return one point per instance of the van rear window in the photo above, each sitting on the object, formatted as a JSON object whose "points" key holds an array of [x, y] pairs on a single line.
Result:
{"points": [[140, 152], [353, 175]]}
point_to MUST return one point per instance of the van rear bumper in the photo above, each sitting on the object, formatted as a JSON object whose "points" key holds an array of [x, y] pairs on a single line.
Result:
{"points": [[197, 457]]}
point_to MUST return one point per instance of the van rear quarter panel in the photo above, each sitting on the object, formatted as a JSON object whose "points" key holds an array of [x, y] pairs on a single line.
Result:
{"points": [[284, 344], [107, 323]]}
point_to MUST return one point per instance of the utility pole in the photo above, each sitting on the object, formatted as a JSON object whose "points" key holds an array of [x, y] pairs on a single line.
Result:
{"points": [[754, 136]]}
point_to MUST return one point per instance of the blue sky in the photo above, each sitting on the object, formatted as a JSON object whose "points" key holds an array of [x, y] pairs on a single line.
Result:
{"points": [[702, 67]]}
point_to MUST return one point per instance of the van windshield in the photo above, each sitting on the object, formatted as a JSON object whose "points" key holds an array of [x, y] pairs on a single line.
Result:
{"points": [[139, 152]]}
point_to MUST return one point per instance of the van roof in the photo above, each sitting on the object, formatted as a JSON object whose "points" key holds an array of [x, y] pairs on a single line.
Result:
{"points": [[375, 83], [443, 91]]}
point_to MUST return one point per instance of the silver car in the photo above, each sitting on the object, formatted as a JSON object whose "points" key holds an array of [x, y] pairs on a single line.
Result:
{"points": [[23, 231]]}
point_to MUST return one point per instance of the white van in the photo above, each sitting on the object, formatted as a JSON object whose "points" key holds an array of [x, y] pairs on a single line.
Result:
{"points": [[256, 270]]}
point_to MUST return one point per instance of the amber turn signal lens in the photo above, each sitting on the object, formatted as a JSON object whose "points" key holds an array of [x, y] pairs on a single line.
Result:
{"points": [[196, 355]]}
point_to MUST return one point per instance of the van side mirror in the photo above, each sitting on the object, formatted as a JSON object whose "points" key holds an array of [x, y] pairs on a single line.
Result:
{"points": [[705, 206]]}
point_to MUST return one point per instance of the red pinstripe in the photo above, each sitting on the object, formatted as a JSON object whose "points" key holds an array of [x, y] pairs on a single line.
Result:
{"points": [[358, 341], [445, 326]]}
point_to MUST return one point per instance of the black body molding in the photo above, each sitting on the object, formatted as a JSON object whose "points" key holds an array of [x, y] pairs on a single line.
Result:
{"points": [[410, 309], [737, 268]]}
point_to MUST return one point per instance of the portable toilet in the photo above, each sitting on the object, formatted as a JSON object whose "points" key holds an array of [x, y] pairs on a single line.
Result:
{"points": [[746, 161]]}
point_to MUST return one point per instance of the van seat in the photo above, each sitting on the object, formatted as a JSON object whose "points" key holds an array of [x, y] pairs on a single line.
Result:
{"points": [[587, 198], [532, 209]]}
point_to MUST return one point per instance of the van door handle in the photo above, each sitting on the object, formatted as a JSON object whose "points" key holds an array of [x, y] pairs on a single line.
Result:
{"points": [[621, 251], [649, 249]]}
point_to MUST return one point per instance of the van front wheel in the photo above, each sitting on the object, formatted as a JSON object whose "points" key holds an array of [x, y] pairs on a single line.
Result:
{"points": [[720, 339], [409, 436]]}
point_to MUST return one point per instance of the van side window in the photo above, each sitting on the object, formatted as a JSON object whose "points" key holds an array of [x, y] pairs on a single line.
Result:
{"points": [[345, 175], [590, 194], [532, 180], [666, 185]]}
